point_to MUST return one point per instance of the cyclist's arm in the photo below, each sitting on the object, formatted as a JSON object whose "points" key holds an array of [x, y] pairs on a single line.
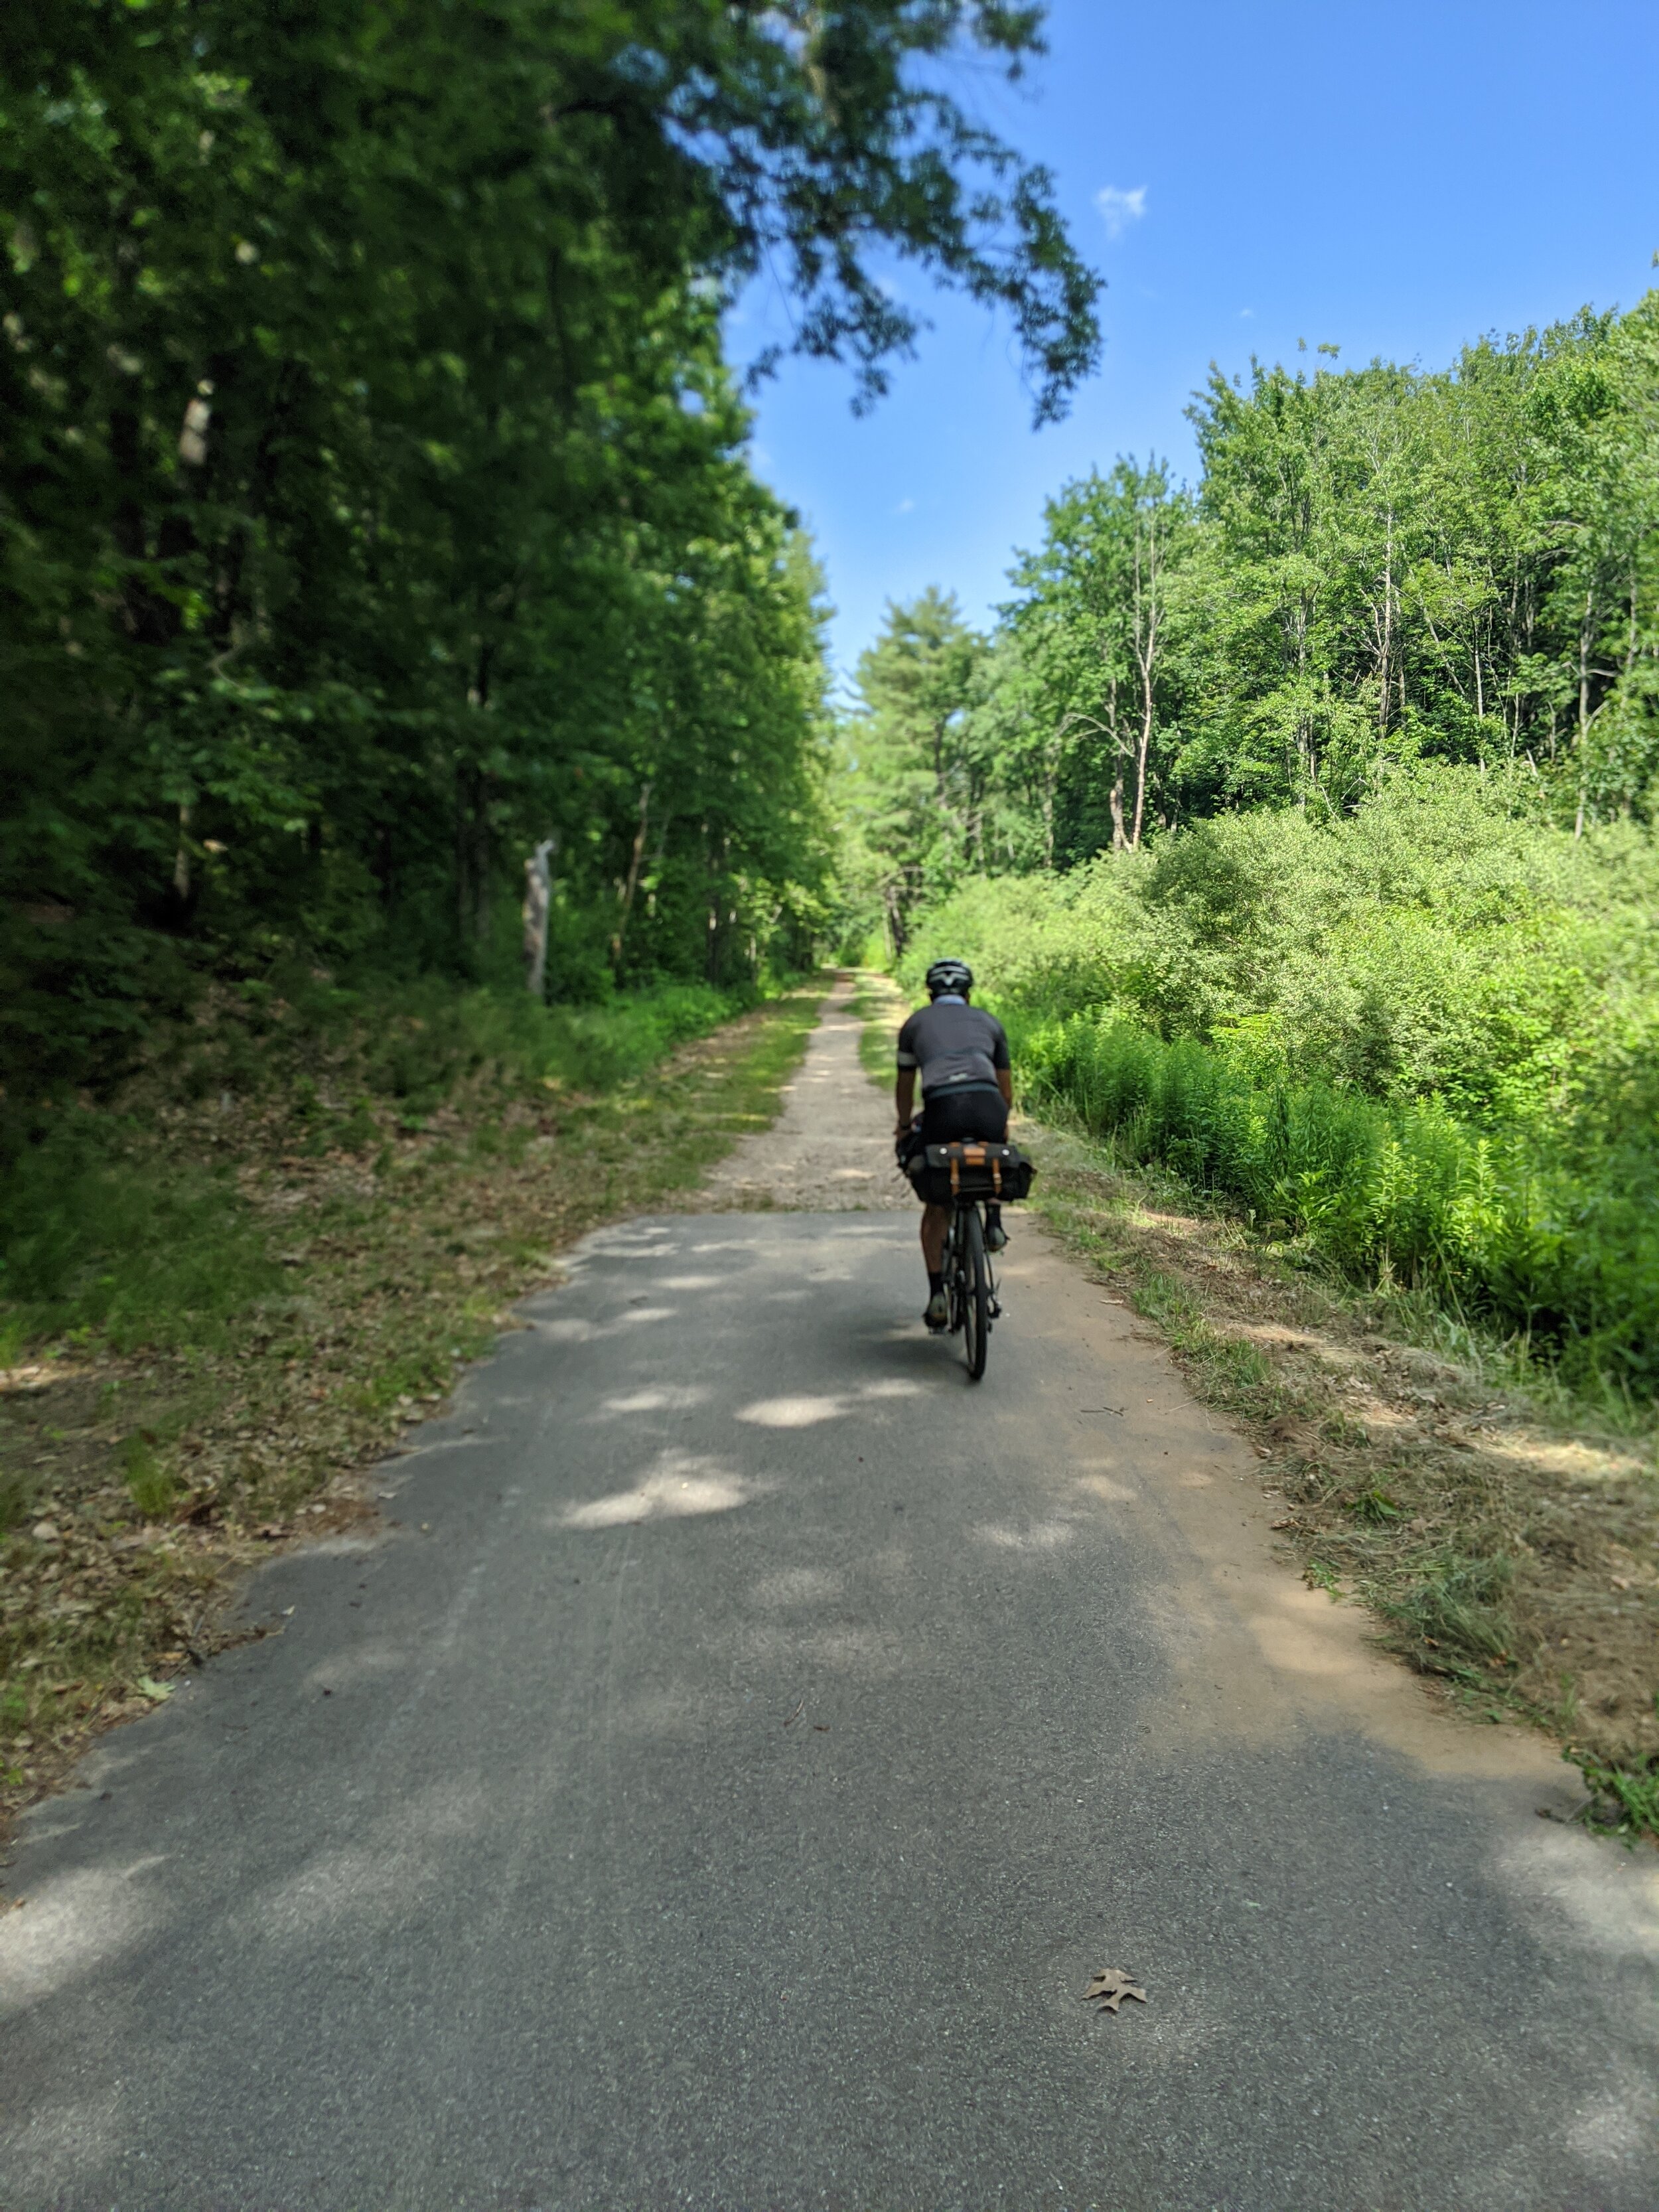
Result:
{"points": [[904, 1099], [999, 1062]]}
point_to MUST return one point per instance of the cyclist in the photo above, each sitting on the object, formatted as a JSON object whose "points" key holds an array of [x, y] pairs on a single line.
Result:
{"points": [[967, 1088]]}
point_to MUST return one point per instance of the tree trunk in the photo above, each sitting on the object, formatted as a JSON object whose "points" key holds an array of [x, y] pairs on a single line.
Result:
{"points": [[472, 854], [631, 883], [537, 906], [1146, 643], [1586, 636], [181, 860]]}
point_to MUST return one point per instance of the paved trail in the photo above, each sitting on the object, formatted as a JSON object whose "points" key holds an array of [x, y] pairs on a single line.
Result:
{"points": [[717, 1786]]}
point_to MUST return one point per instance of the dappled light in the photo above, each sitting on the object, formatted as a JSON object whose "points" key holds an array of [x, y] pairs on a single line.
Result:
{"points": [[682, 1484], [1034, 1536], [563, 1644], [803, 1412], [655, 1398], [576, 1329], [77, 1924]]}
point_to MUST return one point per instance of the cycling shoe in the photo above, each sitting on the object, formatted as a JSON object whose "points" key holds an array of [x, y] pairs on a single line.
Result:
{"points": [[937, 1314]]}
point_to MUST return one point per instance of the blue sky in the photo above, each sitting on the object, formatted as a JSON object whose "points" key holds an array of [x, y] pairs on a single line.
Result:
{"points": [[1391, 180]]}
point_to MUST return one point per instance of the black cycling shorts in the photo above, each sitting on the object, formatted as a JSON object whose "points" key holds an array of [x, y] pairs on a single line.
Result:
{"points": [[964, 1114]]}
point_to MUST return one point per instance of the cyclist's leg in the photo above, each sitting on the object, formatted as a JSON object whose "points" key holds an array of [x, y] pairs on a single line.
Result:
{"points": [[968, 1114], [935, 1226]]}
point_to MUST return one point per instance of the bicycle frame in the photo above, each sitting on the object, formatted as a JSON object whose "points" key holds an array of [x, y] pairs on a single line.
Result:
{"points": [[970, 1281]]}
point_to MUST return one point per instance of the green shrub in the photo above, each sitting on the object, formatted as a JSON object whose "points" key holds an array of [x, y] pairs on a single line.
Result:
{"points": [[1423, 1037], [151, 1487], [141, 1249], [1486, 1221], [1437, 944], [101, 1231]]}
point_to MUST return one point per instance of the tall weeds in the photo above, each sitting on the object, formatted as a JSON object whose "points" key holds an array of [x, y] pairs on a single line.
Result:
{"points": [[1486, 1220]]}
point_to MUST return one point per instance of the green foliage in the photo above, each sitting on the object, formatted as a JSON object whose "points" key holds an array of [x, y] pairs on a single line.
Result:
{"points": [[1455, 1606], [150, 1486], [1440, 943], [106, 1231], [1624, 1800], [1377, 568], [1484, 1220], [1093, 679], [374, 503], [100, 1240], [914, 769]]}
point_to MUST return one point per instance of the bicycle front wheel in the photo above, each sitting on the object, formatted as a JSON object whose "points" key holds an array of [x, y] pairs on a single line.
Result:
{"points": [[975, 1293]]}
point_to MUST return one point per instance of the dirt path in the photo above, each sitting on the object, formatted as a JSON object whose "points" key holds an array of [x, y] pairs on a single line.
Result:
{"points": [[830, 1150]]}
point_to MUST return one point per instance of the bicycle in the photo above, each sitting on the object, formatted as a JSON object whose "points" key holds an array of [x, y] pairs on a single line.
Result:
{"points": [[969, 1175], [970, 1281]]}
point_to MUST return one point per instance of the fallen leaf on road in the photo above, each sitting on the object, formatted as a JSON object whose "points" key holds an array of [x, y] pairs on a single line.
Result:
{"points": [[1111, 1988]]}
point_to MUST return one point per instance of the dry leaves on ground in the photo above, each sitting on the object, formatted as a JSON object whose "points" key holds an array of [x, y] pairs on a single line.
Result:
{"points": [[1106, 1992], [156, 1477]]}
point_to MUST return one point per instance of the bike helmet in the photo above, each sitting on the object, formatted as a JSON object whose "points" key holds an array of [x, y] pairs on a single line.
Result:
{"points": [[949, 975]]}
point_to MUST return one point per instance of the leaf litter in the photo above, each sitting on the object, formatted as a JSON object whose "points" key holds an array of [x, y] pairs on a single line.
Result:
{"points": [[409, 1265], [1106, 1992]]}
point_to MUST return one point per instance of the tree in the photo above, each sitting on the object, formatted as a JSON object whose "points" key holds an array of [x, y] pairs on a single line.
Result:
{"points": [[372, 499], [916, 778], [1096, 627]]}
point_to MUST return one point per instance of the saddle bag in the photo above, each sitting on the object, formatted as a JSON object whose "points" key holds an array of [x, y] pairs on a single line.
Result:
{"points": [[968, 1168]]}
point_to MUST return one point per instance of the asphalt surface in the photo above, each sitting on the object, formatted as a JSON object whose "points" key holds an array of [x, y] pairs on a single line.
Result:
{"points": [[717, 1783]]}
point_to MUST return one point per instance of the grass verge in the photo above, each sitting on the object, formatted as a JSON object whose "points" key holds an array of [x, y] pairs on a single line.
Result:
{"points": [[317, 1261], [1503, 1530]]}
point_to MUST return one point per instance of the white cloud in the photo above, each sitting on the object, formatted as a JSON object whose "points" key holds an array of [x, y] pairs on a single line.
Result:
{"points": [[905, 507], [1119, 208]]}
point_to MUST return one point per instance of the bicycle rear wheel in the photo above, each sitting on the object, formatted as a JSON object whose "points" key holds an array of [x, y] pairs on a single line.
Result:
{"points": [[975, 1292]]}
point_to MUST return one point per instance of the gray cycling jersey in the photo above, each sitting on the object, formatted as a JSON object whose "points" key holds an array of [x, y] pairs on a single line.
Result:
{"points": [[956, 1047]]}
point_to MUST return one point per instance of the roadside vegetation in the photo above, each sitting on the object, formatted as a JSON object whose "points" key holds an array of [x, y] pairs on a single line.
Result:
{"points": [[1363, 1116], [1299, 822], [222, 1304], [1420, 1040], [394, 621]]}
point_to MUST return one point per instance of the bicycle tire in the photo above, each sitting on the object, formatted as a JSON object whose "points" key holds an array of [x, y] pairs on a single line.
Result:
{"points": [[977, 1293]]}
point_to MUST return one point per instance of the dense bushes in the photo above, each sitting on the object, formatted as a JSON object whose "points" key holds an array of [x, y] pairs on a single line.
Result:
{"points": [[1424, 1036], [1440, 942], [1402, 1193]]}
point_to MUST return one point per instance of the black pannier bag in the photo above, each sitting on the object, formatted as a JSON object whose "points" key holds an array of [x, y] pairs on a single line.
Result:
{"points": [[939, 1174]]}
